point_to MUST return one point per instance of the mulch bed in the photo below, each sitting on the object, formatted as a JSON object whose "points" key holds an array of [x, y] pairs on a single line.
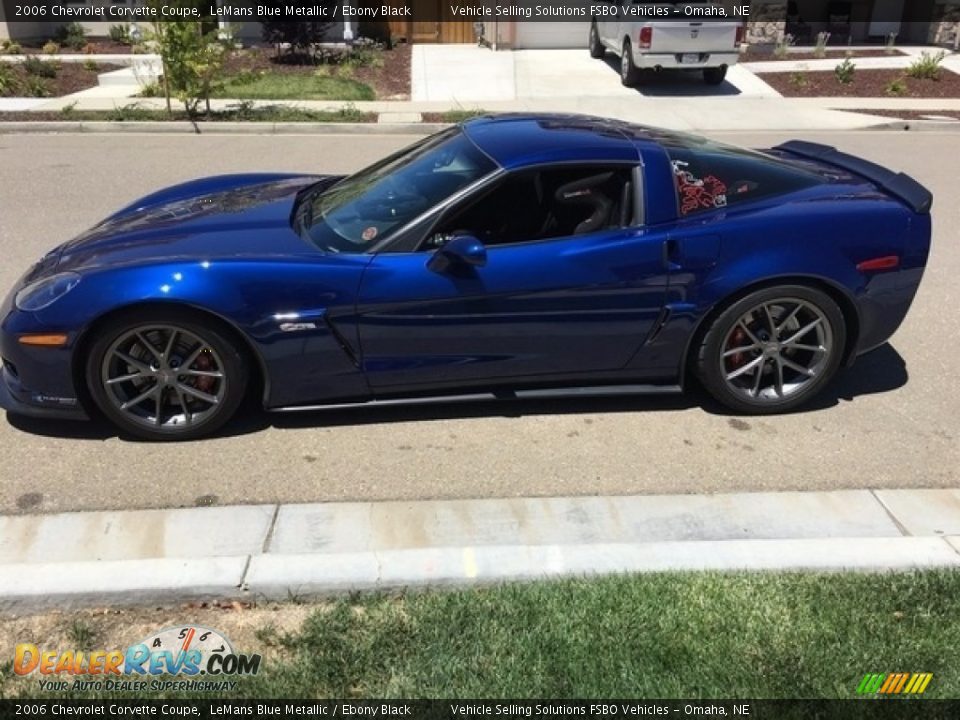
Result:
{"points": [[71, 77], [762, 54], [866, 83], [911, 114], [390, 81]]}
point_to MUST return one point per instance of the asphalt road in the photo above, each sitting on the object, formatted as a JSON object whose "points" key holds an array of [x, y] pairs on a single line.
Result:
{"points": [[891, 421]]}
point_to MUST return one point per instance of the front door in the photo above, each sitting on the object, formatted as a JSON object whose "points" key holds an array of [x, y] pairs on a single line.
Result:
{"points": [[567, 290]]}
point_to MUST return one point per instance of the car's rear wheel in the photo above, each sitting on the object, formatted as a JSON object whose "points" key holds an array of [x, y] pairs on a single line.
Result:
{"points": [[629, 74], [166, 376], [715, 75], [772, 350], [597, 50]]}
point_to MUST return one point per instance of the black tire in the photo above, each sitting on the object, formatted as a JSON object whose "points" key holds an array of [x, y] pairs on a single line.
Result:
{"points": [[597, 50], [750, 392], [198, 351], [629, 74], [715, 75]]}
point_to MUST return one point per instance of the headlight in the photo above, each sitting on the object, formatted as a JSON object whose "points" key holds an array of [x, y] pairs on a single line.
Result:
{"points": [[43, 293]]}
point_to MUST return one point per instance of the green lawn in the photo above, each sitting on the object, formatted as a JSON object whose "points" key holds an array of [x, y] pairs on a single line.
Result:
{"points": [[687, 635], [284, 86]]}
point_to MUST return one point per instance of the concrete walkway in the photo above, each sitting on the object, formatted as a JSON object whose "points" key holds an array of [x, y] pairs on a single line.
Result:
{"points": [[272, 551]]}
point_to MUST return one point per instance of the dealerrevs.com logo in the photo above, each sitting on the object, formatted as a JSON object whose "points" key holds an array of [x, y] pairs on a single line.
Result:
{"points": [[177, 654]]}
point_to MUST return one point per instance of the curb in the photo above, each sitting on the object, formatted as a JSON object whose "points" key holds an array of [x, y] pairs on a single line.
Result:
{"points": [[220, 128], [918, 125], [282, 551]]}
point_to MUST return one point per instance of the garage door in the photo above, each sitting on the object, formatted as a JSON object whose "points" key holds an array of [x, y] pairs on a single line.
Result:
{"points": [[551, 35]]}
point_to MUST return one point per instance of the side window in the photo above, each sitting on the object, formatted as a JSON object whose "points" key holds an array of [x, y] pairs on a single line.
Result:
{"points": [[543, 204], [714, 177]]}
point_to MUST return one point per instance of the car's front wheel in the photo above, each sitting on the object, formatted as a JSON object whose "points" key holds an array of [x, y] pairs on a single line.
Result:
{"points": [[597, 50], [772, 350], [165, 376]]}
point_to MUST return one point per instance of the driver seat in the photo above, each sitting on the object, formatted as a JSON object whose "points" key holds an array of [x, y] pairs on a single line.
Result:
{"points": [[587, 193]]}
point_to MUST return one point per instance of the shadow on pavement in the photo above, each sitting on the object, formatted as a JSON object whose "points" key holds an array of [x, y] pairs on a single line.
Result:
{"points": [[880, 371], [676, 83]]}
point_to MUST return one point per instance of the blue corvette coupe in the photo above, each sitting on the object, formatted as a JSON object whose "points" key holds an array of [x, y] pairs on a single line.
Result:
{"points": [[510, 256]]}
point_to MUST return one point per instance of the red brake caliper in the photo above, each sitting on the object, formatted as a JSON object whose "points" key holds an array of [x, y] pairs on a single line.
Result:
{"points": [[203, 362], [736, 340]]}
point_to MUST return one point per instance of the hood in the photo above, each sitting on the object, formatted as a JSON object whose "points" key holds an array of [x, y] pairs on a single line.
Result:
{"points": [[234, 216]]}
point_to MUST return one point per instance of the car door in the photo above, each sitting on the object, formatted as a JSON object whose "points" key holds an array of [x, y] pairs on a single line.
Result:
{"points": [[554, 298]]}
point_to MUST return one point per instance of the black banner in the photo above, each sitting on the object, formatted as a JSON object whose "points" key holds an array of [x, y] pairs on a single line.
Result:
{"points": [[867, 709], [240, 11]]}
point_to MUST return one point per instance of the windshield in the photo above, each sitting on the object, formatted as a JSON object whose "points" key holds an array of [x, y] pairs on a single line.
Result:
{"points": [[362, 210]]}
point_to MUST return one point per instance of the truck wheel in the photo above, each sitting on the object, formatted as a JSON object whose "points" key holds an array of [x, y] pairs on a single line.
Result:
{"points": [[629, 74], [715, 75], [597, 50]]}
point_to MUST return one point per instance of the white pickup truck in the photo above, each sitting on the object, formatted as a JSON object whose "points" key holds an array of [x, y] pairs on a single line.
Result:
{"points": [[693, 38]]}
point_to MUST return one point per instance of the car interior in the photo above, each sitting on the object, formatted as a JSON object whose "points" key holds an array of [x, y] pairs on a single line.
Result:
{"points": [[544, 204]]}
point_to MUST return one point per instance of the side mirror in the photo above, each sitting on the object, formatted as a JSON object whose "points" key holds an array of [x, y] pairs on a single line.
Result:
{"points": [[461, 251]]}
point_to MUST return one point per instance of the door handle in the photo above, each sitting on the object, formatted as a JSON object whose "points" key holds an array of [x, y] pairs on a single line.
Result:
{"points": [[671, 254]]}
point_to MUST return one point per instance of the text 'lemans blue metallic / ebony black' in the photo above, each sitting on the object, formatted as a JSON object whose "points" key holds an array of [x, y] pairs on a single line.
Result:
{"points": [[510, 254]]}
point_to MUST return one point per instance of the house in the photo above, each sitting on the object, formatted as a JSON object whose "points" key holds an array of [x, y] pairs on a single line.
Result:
{"points": [[935, 22]]}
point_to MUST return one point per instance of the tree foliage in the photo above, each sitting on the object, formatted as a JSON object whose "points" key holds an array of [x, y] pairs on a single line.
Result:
{"points": [[192, 54]]}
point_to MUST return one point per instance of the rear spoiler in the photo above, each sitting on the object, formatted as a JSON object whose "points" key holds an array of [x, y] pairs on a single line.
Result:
{"points": [[899, 185]]}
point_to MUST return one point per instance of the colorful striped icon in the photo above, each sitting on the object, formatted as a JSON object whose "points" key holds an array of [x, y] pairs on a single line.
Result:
{"points": [[894, 683]]}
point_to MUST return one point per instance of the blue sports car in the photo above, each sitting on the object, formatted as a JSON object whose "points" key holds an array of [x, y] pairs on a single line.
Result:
{"points": [[509, 256]]}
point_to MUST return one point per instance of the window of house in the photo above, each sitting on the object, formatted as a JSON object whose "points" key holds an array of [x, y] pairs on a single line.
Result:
{"points": [[544, 204]]}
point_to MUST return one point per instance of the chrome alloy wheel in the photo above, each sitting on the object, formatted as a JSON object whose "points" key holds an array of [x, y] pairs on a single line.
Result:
{"points": [[163, 377], [776, 349]]}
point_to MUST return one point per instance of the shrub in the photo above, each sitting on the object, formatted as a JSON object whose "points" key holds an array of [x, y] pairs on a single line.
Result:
{"points": [[50, 48], [783, 46], [134, 111], [73, 35], [299, 36], [151, 89], [35, 86], [896, 87], [798, 79], [845, 71], [10, 47], [69, 110], [820, 50], [36, 67], [8, 81], [890, 48], [91, 65], [120, 33], [365, 52], [927, 66]]}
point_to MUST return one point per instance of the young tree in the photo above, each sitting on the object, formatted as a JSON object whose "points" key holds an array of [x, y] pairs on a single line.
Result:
{"points": [[192, 57]]}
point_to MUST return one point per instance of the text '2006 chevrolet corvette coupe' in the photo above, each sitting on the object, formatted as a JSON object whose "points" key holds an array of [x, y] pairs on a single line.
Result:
{"points": [[510, 256]]}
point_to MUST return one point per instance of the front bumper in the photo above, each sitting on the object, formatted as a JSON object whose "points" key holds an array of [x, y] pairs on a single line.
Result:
{"points": [[17, 400], [35, 381], [674, 61]]}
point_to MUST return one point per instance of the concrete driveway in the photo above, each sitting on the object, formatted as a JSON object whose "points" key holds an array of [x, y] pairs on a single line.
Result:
{"points": [[471, 74]]}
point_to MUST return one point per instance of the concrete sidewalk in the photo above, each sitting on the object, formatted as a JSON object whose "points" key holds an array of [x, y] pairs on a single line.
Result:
{"points": [[271, 551], [696, 114]]}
